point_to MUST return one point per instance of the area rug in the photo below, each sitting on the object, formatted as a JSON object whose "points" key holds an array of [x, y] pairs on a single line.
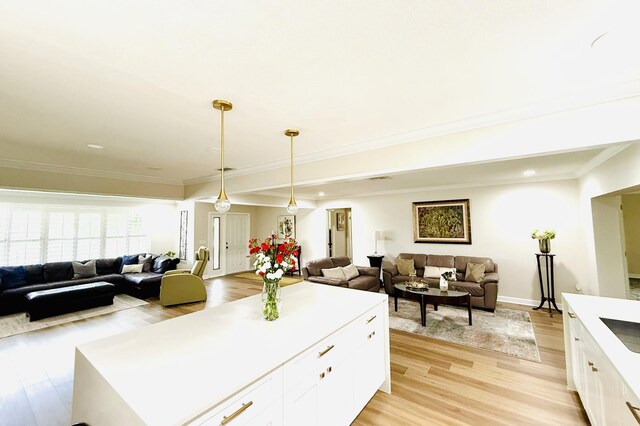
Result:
{"points": [[13, 324], [634, 288], [506, 330], [284, 281]]}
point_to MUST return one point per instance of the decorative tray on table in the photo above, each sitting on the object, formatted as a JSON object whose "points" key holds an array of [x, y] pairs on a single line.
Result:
{"points": [[417, 286]]}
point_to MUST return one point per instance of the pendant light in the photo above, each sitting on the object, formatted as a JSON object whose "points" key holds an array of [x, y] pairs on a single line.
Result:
{"points": [[222, 204], [292, 208]]}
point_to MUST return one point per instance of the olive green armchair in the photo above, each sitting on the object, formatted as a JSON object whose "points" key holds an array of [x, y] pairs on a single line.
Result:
{"points": [[185, 285]]}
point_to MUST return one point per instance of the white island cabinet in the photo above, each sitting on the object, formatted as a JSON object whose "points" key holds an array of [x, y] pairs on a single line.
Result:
{"points": [[318, 364], [604, 372]]}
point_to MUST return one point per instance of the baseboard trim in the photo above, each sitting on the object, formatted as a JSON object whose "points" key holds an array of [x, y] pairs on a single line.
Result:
{"points": [[636, 276], [525, 302]]}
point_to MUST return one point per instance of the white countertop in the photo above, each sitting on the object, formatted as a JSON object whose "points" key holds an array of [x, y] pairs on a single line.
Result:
{"points": [[590, 309], [171, 371]]}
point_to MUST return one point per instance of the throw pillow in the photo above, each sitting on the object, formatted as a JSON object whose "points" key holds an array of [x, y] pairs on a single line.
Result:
{"points": [[405, 266], [350, 271], [334, 273], [84, 270], [146, 262], [128, 260], [432, 272], [161, 264], [132, 269], [443, 270], [475, 272], [12, 277]]}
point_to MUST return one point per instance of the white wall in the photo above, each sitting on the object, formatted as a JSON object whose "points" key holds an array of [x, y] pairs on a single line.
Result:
{"points": [[502, 218]]}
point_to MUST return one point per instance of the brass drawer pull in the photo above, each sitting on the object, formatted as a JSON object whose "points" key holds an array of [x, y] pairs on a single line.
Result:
{"points": [[571, 315], [373, 333], [322, 375], [322, 353], [576, 339], [329, 369], [594, 369], [634, 411], [239, 411], [371, 319], [590, 363]]}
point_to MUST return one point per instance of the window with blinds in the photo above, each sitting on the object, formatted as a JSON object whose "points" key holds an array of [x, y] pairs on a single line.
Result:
{"points": [[36, 235]]}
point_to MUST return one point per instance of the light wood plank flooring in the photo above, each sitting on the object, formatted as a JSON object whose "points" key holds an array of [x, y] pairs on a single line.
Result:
{"points": [[433, 382]]}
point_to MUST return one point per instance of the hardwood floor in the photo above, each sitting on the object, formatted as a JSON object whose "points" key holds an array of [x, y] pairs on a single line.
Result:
{"points": [[433, 382]]}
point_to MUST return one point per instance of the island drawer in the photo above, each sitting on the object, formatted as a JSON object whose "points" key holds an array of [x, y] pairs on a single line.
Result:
{"points": [[246, 404]]}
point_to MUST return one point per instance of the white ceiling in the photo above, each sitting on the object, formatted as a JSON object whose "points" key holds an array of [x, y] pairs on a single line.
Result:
{"points": [[139, 77]]}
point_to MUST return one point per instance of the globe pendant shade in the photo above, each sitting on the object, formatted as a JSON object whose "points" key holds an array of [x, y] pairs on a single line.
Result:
{"points": [[292, 208], [222, 206]]}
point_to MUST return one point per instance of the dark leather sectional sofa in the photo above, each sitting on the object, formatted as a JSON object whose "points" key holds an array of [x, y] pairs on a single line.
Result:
{"points": [[60, 274]]}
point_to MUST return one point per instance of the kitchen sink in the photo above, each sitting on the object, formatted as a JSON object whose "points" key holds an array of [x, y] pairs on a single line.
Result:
{"points": [[628, 332]]}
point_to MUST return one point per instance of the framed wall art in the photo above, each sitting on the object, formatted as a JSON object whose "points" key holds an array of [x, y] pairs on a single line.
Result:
{"points": [[442, 222], [286, 226], [340, 220]]}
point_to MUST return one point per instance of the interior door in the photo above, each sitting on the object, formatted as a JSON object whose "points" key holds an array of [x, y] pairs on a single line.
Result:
{"points": [[237, 242]]}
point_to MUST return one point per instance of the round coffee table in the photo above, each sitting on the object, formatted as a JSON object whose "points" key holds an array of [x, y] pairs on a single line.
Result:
{"points": [[435, 296]]}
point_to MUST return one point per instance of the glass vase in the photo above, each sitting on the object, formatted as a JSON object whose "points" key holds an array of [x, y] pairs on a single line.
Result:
{"points": [[444, 284], [544, 245], [271, 300]]}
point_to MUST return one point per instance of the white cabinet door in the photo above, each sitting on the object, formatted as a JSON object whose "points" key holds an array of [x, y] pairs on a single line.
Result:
{"points": [[301, 403], [629, 408], [368, 368], [335, 394], [272, 416]]}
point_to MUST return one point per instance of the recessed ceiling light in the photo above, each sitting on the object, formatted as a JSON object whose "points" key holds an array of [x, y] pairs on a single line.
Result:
{"points": [[320, 194], [95, 146], [154, 168], [529, 173]]}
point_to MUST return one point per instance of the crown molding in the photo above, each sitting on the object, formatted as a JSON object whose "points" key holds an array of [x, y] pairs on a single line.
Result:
{"points": [[577, 100], [78, 171], [599, 159]]}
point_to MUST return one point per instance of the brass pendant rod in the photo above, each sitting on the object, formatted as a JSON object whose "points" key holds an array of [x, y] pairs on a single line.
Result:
{"points": [[222, 193], [292, 199]]}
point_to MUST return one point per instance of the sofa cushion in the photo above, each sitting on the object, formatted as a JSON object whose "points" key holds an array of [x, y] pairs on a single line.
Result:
{"points": [[35, 274], [475, 272], [364, 282], [315, 267], [461, 263], [474, 289], [144, 278], [436, 272], [405, 266], [441, 260], [350, 271], [336, 272], [12, 277], [108, 266], [57, 271], [419, 260], [84, 270], [161, 264], [340, 261]]}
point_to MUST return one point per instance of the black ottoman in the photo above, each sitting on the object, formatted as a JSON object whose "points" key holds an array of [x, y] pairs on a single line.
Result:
{"points": [[57, 301]]}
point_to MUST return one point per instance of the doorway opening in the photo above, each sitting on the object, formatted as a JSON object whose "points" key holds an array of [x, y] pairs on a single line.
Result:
{"points": [[339, 227]]}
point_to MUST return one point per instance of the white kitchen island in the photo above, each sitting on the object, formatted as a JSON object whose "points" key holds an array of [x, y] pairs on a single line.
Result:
{"points": [[319, 363]]}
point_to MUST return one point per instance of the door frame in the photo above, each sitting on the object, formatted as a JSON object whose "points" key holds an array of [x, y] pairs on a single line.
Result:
{"points": [[209, 272]]}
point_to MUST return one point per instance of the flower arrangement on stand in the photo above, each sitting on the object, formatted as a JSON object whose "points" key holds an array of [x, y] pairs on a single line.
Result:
{"points": [[544, 239], [273, 259]]}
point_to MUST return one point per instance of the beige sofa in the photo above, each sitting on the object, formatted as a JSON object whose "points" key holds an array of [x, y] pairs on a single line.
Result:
{"points": [[369, 278], [483, 294]]}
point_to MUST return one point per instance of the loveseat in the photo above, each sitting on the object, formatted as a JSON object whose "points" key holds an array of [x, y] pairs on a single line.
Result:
{"points": [[60, 274], [368, 278], [484, 293]]}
